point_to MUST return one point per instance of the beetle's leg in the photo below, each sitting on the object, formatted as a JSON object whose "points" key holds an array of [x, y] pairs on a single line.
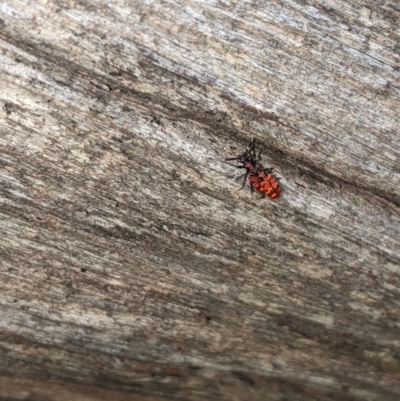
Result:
{"points": [[245, 179], [256, 158], [249, 149], [254, 155], [240, 177], [251, 145]]}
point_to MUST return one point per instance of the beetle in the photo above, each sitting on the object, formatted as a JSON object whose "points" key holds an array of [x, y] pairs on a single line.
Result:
{"points": [[261, 179]]}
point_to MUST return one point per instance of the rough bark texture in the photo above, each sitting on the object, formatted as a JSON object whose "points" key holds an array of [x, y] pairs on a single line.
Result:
{"points": [[132, 268]]}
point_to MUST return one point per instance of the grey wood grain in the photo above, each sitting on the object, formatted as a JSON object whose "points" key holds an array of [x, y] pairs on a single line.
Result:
{"points": [[132, 266]]}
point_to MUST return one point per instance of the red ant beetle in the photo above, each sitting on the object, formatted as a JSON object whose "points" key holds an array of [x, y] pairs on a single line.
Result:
{"points": [[260, 179]]}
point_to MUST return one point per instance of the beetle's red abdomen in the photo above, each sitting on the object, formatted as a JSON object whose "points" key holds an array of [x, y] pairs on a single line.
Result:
{"points": [[266, 184], [270, 187]]}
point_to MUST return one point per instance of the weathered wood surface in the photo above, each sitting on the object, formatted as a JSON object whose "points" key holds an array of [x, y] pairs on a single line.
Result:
{"points": [[132, 268]]}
